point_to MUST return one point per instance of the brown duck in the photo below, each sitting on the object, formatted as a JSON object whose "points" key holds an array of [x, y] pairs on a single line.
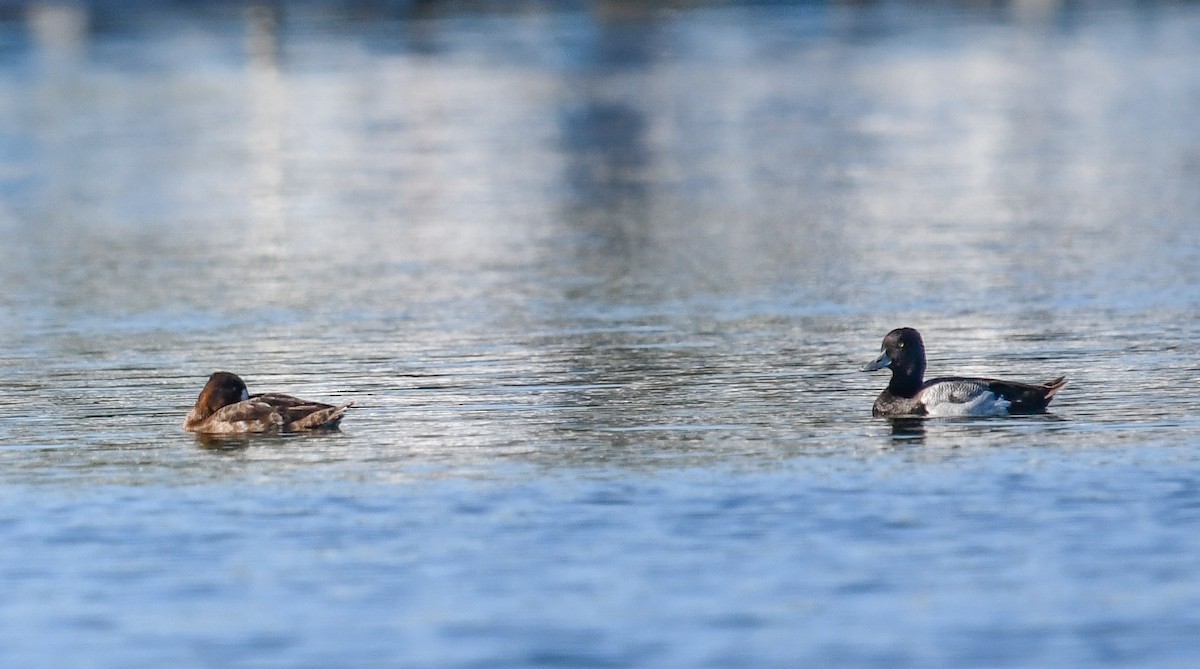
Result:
{"points": [[226, 407]]}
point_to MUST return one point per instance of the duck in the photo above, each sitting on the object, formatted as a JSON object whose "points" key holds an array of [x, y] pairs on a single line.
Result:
{"points": [[225, 406], [910, 395]]}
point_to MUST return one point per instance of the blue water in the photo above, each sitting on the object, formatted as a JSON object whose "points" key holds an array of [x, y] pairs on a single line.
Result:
{"points": [[599, 279]]}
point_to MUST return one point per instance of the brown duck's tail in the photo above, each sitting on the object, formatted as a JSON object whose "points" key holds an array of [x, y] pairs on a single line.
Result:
{"points": [[323, 419]]}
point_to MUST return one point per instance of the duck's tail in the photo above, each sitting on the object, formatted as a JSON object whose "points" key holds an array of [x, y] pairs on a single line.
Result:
{"points": [[1052, 387], [322, 419]]}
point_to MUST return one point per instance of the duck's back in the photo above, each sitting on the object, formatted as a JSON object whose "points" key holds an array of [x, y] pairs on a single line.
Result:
{"points": [[298, 414]]}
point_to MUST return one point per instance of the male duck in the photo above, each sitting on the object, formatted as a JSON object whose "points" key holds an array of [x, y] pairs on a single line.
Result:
{"points": [[225, 407], [908, 394]]}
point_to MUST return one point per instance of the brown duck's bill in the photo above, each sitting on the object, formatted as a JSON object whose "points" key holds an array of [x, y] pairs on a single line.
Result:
{"points": [[878, 363]]}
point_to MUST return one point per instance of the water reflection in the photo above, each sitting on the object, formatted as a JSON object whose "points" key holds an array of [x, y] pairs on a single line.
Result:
{"points": [[59, 30], [604, 136], [268, 100]]}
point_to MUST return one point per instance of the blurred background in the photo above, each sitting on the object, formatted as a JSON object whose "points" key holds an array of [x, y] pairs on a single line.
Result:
{"points": [[598, 277]]}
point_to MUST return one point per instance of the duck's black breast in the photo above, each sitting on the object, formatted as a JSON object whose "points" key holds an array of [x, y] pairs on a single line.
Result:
{"points": [[888, 404]]}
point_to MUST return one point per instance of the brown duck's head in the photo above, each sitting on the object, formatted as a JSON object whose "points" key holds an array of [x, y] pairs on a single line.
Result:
{"points": [[222, 389]]}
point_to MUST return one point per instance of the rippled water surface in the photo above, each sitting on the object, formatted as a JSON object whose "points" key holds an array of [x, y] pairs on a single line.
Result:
{"points": [[598, 279]]}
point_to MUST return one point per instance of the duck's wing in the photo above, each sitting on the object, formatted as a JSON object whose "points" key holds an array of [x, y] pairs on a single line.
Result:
{"points": [[979, 397], [959, 396], [300, 414], [246, 416], [956, 396]]}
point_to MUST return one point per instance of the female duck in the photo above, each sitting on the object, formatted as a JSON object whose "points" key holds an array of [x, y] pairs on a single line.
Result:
{"points": [[225, 407], [908, 394]]}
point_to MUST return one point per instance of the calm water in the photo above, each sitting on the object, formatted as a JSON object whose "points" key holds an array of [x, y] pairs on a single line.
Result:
{"points": [[599, 280]]}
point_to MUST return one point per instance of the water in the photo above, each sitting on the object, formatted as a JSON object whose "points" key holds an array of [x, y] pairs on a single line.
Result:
{"points": [[598, 279]]}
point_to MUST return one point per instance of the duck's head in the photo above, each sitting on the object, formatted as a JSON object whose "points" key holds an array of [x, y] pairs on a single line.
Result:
{"points": [[903, 352], [222, 389]]}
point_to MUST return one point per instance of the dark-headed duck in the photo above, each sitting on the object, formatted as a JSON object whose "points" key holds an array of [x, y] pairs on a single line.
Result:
{"points": [[909, 394], [226, 407]]}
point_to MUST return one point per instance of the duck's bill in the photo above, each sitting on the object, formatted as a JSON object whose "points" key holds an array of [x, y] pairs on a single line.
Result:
{"points": [[878, 363]]}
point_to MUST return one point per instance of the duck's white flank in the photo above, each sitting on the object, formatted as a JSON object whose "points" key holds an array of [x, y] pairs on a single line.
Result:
{"points": [[963, 398]]}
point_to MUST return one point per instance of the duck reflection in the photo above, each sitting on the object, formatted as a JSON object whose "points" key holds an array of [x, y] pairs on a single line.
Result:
{"points": [[212, 442], [908, 430], [240, 442]]}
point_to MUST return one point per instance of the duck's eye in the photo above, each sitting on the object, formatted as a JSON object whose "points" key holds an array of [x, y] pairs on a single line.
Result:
{"points": [[900, 345]]}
